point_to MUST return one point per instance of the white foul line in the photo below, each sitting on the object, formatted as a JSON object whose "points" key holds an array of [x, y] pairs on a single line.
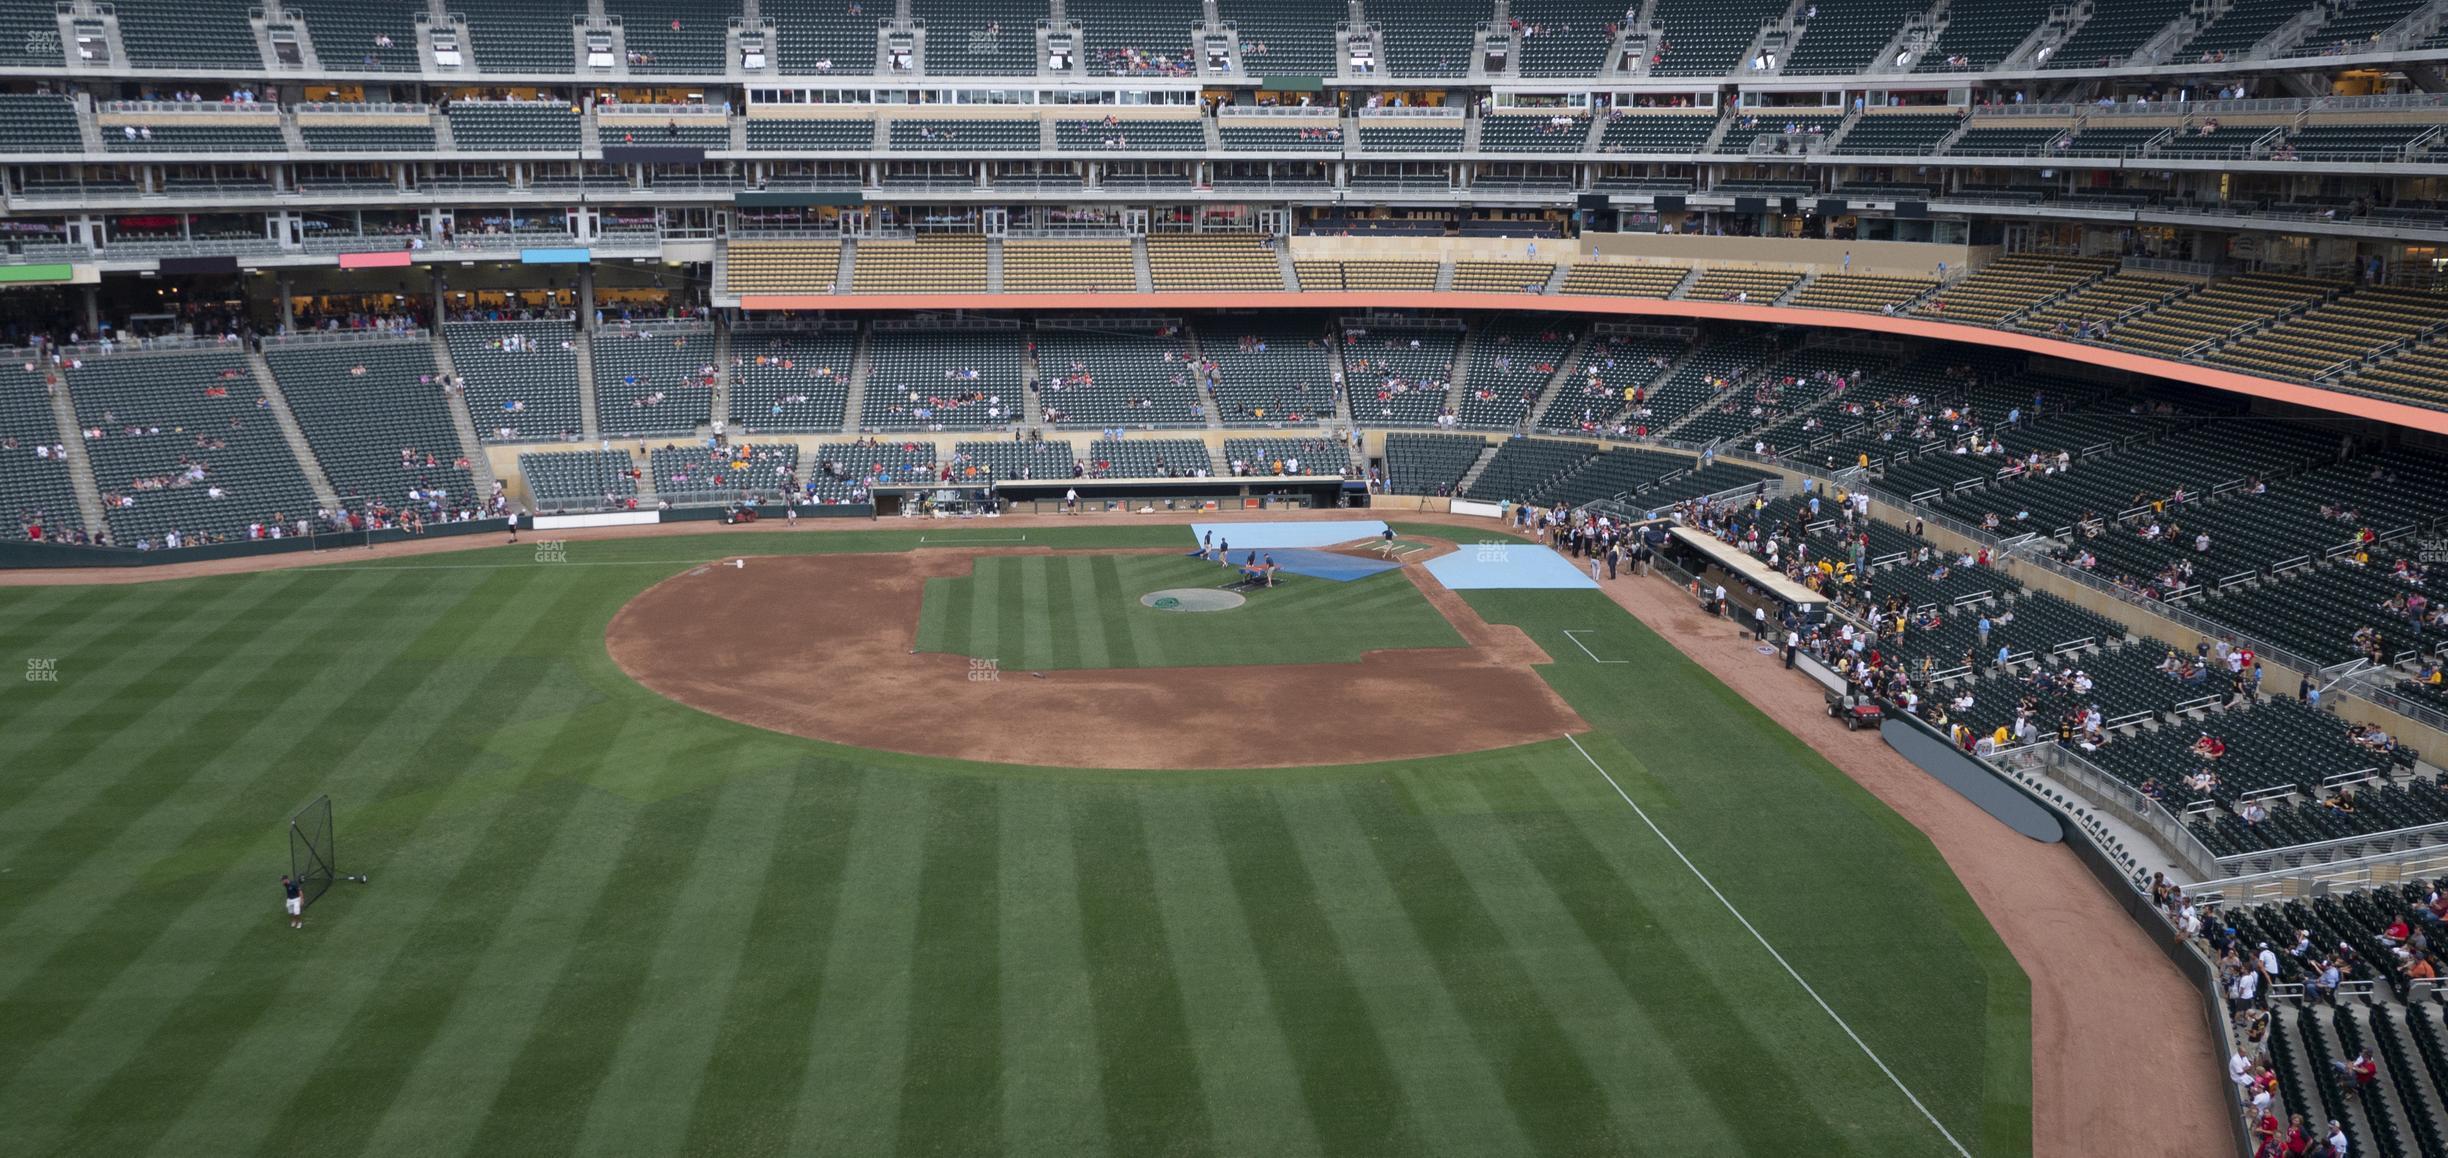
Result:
{"points": [[1571, 633], [1780, 957]]}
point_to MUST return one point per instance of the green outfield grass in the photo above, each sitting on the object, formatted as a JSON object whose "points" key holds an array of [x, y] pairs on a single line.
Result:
{"points": [[1083, 611], [602, 923]]}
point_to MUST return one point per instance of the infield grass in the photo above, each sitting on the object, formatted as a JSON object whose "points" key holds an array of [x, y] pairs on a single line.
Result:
{"points": [[1083, 611], [602, 923]]}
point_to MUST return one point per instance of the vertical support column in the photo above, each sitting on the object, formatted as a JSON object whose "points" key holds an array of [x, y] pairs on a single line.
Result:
{"points": [[440, 311], [93, 309], [586, 297], [288, 313]]}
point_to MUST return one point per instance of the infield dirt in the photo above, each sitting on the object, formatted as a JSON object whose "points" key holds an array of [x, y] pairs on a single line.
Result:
{"points": [[821, 646]]}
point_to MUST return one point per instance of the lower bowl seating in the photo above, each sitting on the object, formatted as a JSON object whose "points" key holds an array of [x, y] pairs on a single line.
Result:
{"points": [[584, 480], [1147, 458]]}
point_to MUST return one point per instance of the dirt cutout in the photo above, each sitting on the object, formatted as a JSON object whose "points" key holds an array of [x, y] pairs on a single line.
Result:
{"points": [[820, 646]]}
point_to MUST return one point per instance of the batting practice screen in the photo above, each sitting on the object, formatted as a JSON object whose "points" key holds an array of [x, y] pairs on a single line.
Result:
{"points": [[311, 859]]}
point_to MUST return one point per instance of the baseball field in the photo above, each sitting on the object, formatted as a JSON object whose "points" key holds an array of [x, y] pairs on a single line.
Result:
{"points": [[669, 856]]}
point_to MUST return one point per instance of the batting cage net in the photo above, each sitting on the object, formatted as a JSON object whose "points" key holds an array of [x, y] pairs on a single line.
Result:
{"points": [[311, 860]]}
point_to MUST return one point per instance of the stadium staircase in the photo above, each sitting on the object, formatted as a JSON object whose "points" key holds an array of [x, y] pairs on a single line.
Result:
{"points": [[2008, 321], [1190, 350], [1458, 385], [1283, 261], [1444, 276], [1568, 370], [325, 494], [849, 263], [1717, 136], [308, 59], [471, 444], [1478, 466], [2053, 31], [1795, 290], [2385, 1102], [718, 408], [1555, 279], [1140, 274], [994, 261], [862, 364], [89, 130], [80, 467], [1684, 286], [588, 425]]}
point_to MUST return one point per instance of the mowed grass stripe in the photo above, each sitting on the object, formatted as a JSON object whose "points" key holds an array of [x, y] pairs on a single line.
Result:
{"points": [[516, 962], [747, 1098], [1051, 1100], [1087, 634], [985, 638], [144, 673], [1705, 1039], [45, 622], [224, 1084], [1351, 1091], [1147, 643], [1037, 614], [1512, 1017], [849, 1095], [1452, 1084], [546, 1092], [1014, 614], [203, 935], [1120, 641], [430, 968], [1149, 1074], [1878, 924], [952, 1081], [1608, 1012], [1062, 644], [644, 1100], [143, 947], [48, 836]]}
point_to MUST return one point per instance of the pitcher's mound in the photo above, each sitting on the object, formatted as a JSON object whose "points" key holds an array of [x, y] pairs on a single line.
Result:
{"points": [[1192, 599]]}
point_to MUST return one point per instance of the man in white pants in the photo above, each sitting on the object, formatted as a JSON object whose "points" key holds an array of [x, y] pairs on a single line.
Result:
{"points": [[295, 902]]}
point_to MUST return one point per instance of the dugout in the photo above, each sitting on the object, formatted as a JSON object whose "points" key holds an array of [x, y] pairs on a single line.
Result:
{"points": [[1749, 582]]}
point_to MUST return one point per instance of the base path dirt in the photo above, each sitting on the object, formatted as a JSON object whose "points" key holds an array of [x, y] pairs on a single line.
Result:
{"points": [[821, 646], [2121, 1061]]}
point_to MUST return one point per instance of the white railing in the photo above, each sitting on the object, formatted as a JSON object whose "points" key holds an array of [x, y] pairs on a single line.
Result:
{"points": [[1286, 112], [151, 108], [1413, 112], [2373, 846], [365, 108], [2128, 804], [341, 337], [709, 112], [2336, 876]]}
